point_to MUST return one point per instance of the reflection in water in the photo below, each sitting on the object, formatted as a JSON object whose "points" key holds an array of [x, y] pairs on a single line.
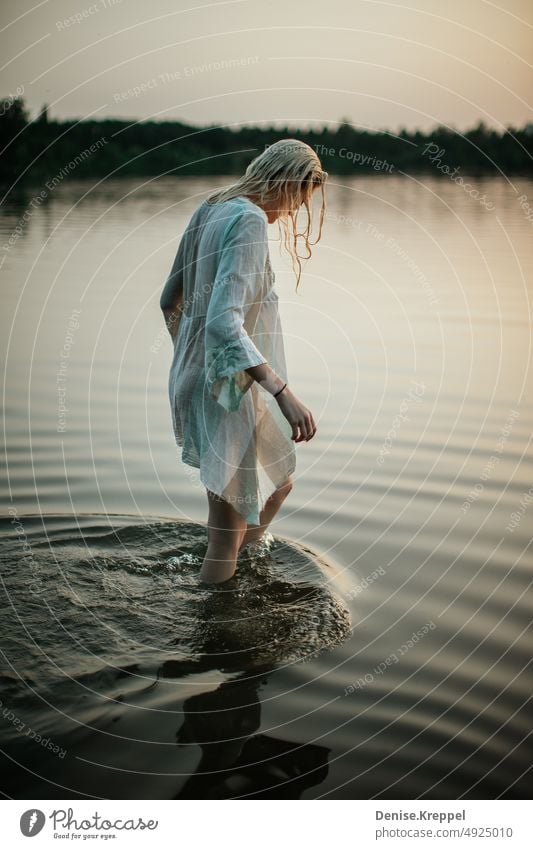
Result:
{"points": [[220, 646], [236, 761]]}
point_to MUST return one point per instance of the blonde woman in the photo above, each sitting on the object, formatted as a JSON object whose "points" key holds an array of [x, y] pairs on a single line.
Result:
{"points": [[233, 413]]}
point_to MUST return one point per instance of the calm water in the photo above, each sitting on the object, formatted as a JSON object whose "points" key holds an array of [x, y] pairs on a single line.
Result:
{"points": [[390, 656]]}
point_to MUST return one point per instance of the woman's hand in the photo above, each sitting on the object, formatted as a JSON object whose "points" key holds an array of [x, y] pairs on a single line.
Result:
{"points": [[299, 417]]}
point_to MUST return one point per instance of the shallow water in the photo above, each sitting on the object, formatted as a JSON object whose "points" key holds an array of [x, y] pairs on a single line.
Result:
{"points": [[411, 503], [114, 628]]}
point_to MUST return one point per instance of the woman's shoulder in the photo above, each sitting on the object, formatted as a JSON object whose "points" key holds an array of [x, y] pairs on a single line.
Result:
{"points": [[217, 216], [238, 207], [236, 219]]}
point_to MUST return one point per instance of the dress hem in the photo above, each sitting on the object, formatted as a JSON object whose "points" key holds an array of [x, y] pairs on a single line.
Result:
{"points": [[250, 517]]}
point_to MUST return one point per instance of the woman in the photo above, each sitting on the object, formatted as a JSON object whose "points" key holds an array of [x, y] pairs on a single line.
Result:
{"points": [[233, 413]]}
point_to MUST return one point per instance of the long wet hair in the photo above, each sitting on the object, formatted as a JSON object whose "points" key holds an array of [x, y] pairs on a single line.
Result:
{"points": [[286, 173]]}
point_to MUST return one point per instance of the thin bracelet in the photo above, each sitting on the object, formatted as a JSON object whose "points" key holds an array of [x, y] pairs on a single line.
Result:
{"points": [[280, 390]]}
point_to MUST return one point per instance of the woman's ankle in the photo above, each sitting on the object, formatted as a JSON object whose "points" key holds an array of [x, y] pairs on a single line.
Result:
{"points": [[219, 564], [217, 571], [253, 535]]}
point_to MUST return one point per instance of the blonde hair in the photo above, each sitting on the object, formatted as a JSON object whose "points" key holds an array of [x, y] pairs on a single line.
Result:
{"points": [[286, 172]]}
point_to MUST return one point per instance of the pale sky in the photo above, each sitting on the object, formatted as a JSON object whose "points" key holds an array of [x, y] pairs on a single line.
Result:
{"points": [[378, 63]]}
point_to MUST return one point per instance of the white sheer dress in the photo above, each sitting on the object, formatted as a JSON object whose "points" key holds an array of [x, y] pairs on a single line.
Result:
{"points": [[227, 426]]}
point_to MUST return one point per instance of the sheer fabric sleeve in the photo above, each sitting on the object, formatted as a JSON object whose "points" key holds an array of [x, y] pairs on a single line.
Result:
{"points": [[229, 350]]}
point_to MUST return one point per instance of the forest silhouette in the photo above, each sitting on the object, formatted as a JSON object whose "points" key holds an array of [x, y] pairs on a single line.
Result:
{"points": [[42, 150]]}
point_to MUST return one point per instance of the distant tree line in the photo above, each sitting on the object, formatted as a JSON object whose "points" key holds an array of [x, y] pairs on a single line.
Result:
{"points": [[44, 150]]}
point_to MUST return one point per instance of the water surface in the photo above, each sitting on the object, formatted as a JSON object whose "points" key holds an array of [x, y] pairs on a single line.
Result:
{"points": [[410, 339]]}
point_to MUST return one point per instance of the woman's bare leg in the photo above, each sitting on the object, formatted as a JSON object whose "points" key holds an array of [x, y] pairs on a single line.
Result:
{"points": [[225, 529], [272, 505]]}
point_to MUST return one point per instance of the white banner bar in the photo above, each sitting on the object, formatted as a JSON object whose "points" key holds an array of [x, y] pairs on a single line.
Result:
{"points": [[264, 823]]}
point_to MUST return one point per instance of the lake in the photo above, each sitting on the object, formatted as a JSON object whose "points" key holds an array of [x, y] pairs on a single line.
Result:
{"points": [[380, 645]]}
